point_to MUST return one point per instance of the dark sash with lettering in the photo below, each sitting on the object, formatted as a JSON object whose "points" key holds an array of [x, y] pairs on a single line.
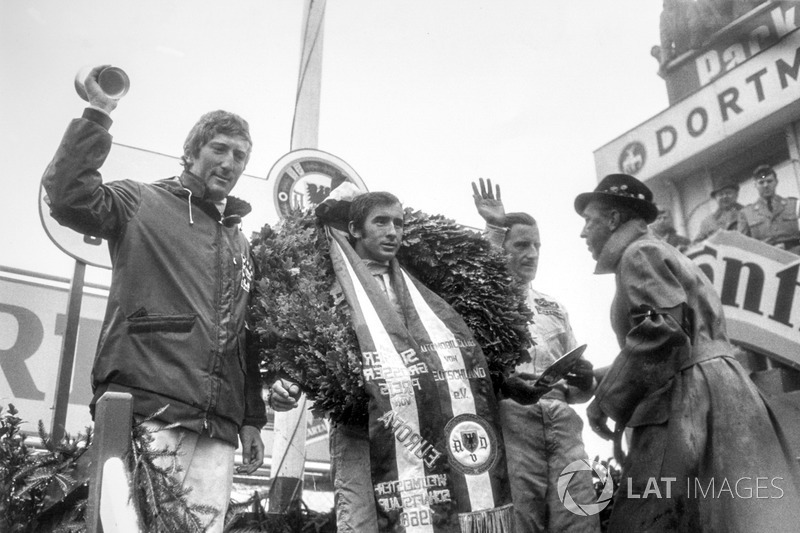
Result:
{"points": [[437, 457]]}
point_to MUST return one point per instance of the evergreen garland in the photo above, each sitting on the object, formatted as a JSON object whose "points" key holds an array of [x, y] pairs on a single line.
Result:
{"points": [[297, 298], [302, 322], [41, 491], [159, 499], [48, 490]]}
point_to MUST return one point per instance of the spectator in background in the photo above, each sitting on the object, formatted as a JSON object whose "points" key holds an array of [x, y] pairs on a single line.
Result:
{"points": [[686, 24], [728, 214], [664, 228], [677, 29], [772, 218]]}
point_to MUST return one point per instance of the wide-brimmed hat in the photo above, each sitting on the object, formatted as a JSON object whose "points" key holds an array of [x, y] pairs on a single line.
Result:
{"points": [[624, 190]]}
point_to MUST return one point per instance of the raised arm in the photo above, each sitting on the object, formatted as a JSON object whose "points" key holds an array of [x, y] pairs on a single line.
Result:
{"points": [[75, 191], [490, 207], [488, 202]]}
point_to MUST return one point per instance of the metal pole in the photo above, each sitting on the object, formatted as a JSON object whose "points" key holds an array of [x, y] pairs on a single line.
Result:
{"points": [[67, 360], [305, 126], [288, 458], [288, 453]]}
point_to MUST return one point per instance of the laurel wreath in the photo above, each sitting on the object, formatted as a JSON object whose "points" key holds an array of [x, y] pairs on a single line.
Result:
{"points": [[301, 321]]}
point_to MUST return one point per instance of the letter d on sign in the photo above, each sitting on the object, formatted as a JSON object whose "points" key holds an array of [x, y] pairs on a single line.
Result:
{"points": [[665, 144]]}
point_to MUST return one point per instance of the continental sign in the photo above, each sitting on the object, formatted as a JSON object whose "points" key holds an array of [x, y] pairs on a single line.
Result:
{"points": [[757, 284], [757, 89]]}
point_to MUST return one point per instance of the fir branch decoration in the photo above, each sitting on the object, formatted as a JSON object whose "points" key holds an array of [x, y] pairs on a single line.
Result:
{"points": [[14, 454], [302, 322], [48, 490], [316, 345], [41, 491], [159, 499]]}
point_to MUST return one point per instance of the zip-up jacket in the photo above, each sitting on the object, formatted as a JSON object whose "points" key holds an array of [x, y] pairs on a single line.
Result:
{"points": [[174, 329]]}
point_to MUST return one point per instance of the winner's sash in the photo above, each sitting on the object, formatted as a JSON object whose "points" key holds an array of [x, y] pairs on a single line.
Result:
{"points": [[436, 452]]}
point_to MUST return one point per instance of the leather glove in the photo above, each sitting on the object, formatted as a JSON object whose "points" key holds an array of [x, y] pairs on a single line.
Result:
{"points": [[581, 375]]}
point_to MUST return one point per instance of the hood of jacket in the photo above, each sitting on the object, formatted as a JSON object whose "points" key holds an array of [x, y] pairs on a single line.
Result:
{"points": [[235, 208]]}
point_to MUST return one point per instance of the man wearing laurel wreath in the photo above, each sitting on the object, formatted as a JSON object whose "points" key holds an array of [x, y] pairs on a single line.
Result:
{"points": [[541, 438], [431, 458]]}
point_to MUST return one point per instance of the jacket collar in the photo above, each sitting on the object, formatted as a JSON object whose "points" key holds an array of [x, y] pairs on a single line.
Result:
{"points": [[611, 253], [778, 203], [234, 206]]}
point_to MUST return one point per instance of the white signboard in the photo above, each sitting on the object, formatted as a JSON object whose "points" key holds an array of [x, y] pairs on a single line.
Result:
{"points": [[85, 248], [32, 325], [759, 88], [757, 284]]}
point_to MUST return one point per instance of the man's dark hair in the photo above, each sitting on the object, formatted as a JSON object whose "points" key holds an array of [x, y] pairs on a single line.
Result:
{"points": [[518, 219], [211, 124], [363, 204], [512, 219]]}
